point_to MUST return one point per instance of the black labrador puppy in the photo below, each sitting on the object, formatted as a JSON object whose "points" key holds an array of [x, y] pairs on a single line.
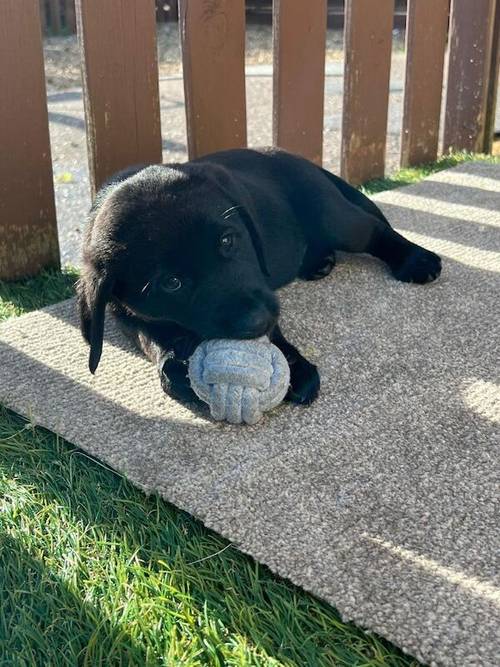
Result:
{"points": [[186, 252]]}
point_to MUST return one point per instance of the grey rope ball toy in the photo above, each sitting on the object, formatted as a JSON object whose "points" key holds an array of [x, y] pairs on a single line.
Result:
{"points": [[239, 379]]}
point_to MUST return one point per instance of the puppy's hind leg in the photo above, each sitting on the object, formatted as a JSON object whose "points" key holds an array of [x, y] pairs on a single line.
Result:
{"points": [[355, 224]]}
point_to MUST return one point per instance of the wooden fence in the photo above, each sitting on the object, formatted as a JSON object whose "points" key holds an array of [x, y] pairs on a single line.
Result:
{"points": [[122, 101], [58, 16]]}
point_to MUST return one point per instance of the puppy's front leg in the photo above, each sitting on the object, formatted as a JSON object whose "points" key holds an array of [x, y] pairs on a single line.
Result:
{"points": [[171, 359], [174, 378], [169, 348], [304, 376]]}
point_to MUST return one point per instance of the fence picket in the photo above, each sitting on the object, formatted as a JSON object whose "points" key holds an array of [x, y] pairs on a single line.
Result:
{"points": [[471, 30], [299, 38], [368, 42], [426, 32], [120, 76], [213, 51], [28, 230]]}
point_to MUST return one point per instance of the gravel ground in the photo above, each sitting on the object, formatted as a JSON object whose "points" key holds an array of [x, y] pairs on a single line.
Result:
{"points": [[62, 58], [67, 125]]}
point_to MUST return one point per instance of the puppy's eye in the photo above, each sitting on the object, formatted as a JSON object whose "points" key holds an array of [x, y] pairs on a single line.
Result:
{"points": [[170, 284], [227, 240]]}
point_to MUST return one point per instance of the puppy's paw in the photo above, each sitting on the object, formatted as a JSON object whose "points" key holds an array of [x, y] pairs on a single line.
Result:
{"points": [[321, 270], [304, 382], [175, 381], [419, 266]]}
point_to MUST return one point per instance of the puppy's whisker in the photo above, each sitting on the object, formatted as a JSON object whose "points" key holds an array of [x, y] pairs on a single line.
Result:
{"points": [[146, 286], [230, 211]]}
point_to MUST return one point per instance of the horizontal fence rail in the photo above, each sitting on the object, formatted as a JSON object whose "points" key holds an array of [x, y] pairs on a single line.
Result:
{"points": [[121, 91]]}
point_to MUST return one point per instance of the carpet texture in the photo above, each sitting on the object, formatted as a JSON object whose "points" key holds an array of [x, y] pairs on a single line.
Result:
{"points": [[383, 497]]}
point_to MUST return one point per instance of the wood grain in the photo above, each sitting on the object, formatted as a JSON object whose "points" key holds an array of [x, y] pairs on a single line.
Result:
{"points": [[471, 31], [213, 55], [120, 76], [28, 230], [426, 34], [368, 43], [299, 40]]}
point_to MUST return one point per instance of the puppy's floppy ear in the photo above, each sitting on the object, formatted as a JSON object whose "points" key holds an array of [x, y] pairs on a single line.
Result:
{"points": [[244, 209], [256, 240], [94, 292]]}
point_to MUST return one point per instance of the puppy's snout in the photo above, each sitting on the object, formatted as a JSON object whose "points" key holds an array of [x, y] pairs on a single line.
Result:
{"points": [[252, 315], [255, 322]]}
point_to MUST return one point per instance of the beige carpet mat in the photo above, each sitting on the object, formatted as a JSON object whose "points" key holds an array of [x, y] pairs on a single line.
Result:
{"points": [[383, 497]]}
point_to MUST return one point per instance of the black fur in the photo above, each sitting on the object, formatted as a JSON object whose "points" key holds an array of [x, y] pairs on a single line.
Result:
{"points": [[232, 227]]}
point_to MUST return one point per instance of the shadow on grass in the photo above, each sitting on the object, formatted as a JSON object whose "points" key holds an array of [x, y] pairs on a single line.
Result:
{"points": [[40, 607]]}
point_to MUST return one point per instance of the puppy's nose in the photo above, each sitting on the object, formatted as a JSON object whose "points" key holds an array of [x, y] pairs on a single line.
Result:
{"points": [[254, 323]]}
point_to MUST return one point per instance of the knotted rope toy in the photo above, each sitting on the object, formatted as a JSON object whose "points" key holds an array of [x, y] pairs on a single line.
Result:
{"points": [[239, 379]]}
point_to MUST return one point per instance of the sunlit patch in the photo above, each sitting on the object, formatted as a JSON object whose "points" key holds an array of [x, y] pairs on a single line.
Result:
{"points": [[488, 260], [440, 208], [484, 399], [454, 576], [467, 180], [133, 385]]}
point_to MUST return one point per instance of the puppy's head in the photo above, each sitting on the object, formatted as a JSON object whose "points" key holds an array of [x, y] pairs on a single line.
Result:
{"points": [[170, 244]]}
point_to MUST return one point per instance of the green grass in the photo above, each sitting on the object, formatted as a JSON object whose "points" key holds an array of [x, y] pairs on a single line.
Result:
{"points": [[93, 572], [414, 174], [48, 287]]}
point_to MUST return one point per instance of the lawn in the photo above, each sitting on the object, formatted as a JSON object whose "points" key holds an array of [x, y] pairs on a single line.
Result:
{"points": [[93, 572]]}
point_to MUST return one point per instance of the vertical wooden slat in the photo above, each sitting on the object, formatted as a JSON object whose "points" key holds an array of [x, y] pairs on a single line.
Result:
{"points": [[55, 16], [368, 42], [120, 76], [70, 15], [426, 31], [213, 52], [28, 230], [471, 29], [299, 39], [491, 103]]}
